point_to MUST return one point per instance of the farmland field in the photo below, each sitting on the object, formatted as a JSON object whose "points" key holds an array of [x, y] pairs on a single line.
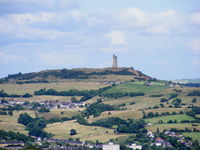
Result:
{"points": [[136, 87], [45, 98], [62, 130], [193, 135], [126, 114], [167, 118], [60, 113], [161, 127], [9, 123], [60, 86]]}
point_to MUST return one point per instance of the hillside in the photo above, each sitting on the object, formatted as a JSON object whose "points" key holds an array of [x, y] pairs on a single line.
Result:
{"points": [[78, 74], [100, 105]]}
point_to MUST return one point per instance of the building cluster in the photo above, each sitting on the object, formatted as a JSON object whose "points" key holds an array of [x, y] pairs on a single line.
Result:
{"points": [[51, 104], [113, 82], [55, 104], [11, 102], [158, 141], [112, 146]]}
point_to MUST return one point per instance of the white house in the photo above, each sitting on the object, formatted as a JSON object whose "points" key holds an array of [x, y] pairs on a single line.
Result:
{"points": [[111, 146], [135, 146]]}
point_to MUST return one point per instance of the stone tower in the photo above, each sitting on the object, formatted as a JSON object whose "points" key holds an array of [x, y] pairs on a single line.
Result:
{"points": [[114, 65]]}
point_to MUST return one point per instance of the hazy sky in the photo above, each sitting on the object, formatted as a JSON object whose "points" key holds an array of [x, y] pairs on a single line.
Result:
{"points": [[161, 38]]}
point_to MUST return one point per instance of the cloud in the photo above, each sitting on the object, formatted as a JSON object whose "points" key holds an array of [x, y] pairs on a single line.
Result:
{"points": [[161, 23], [116, 37], [7, 58], [27, 25], [195, 18], [63, 58], [195, 45], [133, 17], [28, 18]]}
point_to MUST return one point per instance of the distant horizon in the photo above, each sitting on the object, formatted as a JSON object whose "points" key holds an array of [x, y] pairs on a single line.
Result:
{"points": [[159, 38]]}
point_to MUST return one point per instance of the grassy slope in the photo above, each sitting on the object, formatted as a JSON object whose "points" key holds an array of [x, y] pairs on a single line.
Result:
{"points": [[60, 86], [44, 98], [122, 114], [9, 123], [169, 126], [136, 87], [193, 135], [167, 118], [56, 113], [62, 130]]}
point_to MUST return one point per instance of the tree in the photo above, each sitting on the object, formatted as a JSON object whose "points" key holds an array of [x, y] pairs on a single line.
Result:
{"points": [[25, 119], [27, 95], [73, 132], [194, 100], [173, 95], [10, 113], [43, 109]]}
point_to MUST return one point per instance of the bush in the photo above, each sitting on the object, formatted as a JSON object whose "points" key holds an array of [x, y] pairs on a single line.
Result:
{"points": [[194, 100], [43, 109], [162, 100], [73, 132], [173, 95], [27, 95], [25, 119]]}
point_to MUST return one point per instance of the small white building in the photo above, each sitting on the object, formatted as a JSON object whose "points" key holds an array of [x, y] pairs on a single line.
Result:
{"points": [[135, 146], [111, 146]]}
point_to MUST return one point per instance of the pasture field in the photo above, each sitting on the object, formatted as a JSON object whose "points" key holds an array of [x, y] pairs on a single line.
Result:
{"points": [[161, 110], [125, 114], [141, 102], [45, 98], [193, 135], [59, 86], [9, 123], [162, 127], [136, 87], [111, 77], [167, 118], [93, 133], [60, 113]]}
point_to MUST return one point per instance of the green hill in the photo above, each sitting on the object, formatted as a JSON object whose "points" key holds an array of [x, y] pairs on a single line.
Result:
{"points": [[78, 74]]}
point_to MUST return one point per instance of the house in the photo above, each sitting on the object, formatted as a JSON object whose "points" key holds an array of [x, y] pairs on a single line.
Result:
{"points": [[160, 142], [111, 146], [135, 146], [150, 135]]}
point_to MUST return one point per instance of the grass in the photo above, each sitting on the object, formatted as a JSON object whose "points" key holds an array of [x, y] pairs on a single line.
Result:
{"points": [[140, 102], [167, 118], [161, 110], [60, 86], [9, 123], [193, 135], [136, 87], [162, 127], [125, 114], [62, 130], [44, 98], [56, 113]]}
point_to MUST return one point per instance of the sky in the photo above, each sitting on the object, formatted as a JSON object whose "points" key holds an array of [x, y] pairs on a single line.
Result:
{"points": [[159, 38]]}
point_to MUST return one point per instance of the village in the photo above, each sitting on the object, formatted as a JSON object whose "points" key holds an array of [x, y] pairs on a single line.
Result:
{"points": [[50, 104]]}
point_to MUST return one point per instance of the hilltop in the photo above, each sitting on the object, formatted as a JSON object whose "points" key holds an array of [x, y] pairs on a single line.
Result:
{"points": [[99, 74], [99, 105]]}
